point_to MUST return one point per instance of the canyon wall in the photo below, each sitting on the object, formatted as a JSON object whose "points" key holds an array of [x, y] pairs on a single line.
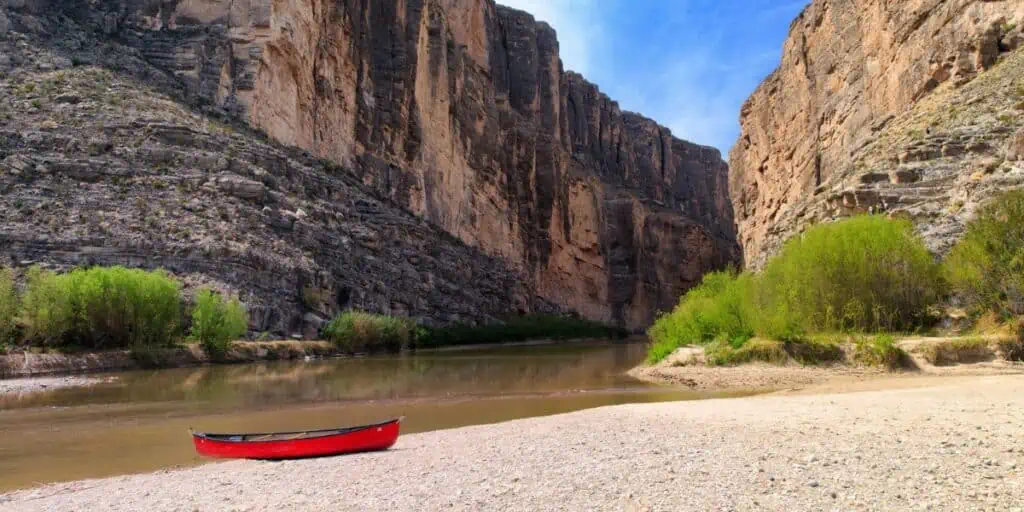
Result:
{"points": [[460, 112], [823, 135]]}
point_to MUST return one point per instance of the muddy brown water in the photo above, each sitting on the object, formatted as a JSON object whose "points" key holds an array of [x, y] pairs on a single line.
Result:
{"points": [[138, 421]]}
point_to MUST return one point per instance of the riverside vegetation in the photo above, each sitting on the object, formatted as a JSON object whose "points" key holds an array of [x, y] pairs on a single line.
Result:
{"points": [[355, 331], [119, 308], [857, 282], [112, 308]]}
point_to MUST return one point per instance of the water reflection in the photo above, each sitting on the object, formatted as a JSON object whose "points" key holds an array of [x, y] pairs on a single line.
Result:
{"points": [[139, 422], [543, 369]]}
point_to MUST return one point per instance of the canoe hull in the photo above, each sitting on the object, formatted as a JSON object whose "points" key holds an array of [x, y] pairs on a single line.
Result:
{"points": [[360, 439]]}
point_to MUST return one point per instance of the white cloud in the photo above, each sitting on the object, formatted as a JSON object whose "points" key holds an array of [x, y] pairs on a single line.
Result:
{"points": [[690, 68], [577, 24]]}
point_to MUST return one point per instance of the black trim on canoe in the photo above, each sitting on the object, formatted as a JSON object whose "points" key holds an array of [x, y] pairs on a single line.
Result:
{"points": [[241, 438]]}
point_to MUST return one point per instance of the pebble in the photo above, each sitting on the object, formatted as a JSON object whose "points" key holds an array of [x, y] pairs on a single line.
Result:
{"points": [[472, 468]]}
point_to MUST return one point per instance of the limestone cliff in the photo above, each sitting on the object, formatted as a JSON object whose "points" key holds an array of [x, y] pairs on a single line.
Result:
{"points": [[833, 130], [458, 111]]}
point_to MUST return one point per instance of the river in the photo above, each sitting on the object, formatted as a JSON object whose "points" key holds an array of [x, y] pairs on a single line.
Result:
{"points": [[139, 420]]}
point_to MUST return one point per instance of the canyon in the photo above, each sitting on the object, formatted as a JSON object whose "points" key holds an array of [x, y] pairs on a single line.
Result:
{"points": [[879, 106], [458, 112]]}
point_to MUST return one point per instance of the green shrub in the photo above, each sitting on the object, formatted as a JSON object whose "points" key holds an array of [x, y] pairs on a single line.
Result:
{"points": [[864, 274], [8, 307], [356, 331], [98, 308], [986, 268], [879, 350], [814, 350], [722, 353], [217, 322], [531, 327], [717, 308]]}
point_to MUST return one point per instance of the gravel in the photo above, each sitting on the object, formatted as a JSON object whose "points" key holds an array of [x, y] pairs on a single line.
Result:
{"points": [[955, 446], [36, 384]]}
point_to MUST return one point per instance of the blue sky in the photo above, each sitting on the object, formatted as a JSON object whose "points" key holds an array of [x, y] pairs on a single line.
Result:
{"points": [[688, 64]]}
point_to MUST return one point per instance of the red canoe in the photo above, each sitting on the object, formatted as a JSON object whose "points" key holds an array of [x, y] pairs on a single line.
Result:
{"points": [[294, 445]]}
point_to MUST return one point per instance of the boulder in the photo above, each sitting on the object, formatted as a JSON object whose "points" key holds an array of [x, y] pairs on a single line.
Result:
{"points": [[242, 188]]}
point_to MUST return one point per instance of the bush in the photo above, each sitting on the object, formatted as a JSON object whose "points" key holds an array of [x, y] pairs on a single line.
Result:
{"points": [[864, 274], [815, 350], [986, 268], [8, 308], [523, 328], [717, 308], [98, 308], [217, 322], [879, 350], [722, 353], [356, 331]]}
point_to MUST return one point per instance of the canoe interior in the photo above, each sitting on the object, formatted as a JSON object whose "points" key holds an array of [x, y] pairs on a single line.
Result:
{"points": [[289, 436]]}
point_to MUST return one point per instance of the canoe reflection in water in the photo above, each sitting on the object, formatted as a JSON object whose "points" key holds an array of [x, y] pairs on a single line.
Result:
{"points": [[295, 445]]}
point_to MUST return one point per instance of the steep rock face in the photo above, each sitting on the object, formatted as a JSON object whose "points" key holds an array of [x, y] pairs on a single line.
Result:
{"points": [[848, 67], [102, 163], [459, 111]]}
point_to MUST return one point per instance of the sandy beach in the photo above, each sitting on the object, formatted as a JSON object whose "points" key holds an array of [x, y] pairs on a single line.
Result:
{"points": [[955, 445]]}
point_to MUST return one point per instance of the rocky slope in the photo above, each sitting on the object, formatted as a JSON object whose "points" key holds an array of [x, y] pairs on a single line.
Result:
{"points": [[877, 106], [103, 163], [458, 111]]}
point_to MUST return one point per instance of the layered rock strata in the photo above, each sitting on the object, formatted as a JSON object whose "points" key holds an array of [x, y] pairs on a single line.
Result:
{"points": [[458, 111], [813, 132]]}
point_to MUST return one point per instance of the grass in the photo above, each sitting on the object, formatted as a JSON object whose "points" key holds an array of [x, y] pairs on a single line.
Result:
{"points": [[216, 322], [958, 351], [722, 353], [814, 350], [880, 350], [866, 274], [356, 332]]}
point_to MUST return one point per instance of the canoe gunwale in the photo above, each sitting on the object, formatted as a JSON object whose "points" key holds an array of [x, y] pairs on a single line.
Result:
{"points": [[313, 434]]}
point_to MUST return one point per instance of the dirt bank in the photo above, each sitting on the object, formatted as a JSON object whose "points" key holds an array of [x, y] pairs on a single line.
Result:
{"points": [[685, 367], [955, 446], [32, 363]]}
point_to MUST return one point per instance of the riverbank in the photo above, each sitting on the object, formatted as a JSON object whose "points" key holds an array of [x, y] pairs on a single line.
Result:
{"points": [[952, 446], [29, 371], [30, 363], [37, 384], [919, 356]]}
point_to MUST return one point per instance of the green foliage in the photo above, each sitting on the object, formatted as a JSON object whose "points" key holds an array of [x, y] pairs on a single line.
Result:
{"points": [[8, 307], [722, 353], [217, 322], [986, 268], [864, 274], [717, 308], [523, 328], [879, 350], [355, 331], [815, 350], [98, 308], [1013, 347]]}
